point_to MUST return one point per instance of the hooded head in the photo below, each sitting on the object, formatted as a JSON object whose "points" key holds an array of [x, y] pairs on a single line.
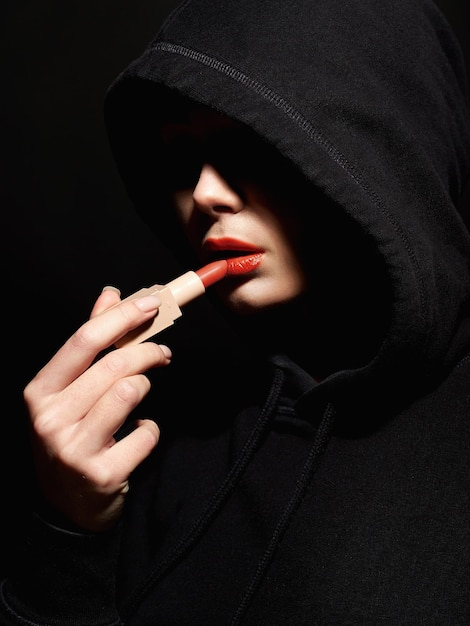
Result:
{"points": [[367, 103]]}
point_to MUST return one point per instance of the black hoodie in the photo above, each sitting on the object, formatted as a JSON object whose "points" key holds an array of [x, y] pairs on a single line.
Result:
{"points": [[292, 502]]}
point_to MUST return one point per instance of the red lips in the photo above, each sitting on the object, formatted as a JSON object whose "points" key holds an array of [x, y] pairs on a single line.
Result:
{"points": [[243, 264], [236, 265]]}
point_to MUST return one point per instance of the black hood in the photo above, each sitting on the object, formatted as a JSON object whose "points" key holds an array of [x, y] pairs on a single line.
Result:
{"points": [[368, 100]]}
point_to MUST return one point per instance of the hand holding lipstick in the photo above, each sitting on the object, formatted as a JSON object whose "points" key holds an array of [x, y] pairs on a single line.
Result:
{"points": [[175, 294], [78, 402], [80, 399]]}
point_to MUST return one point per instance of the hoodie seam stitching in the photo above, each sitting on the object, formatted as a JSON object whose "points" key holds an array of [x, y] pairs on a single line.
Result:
{"points": [[321, 140]]}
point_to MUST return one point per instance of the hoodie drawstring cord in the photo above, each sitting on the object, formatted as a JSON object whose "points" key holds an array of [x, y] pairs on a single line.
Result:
{"points": [[185, 544], [320, 442]]}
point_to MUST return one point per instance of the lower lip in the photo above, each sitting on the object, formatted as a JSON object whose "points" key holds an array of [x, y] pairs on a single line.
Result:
{"points": [[240, 265]]}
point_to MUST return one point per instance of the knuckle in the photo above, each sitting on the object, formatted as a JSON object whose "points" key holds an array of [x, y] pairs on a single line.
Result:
{"points": [[126, 391], [65, 455], [33, 391], [128, 310], [100, 475], [46, 425], [85, 337], [42, 428], [116, 362], [29, 393]]}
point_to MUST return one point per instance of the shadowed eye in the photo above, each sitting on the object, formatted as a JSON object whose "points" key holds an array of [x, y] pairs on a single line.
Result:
{"points": [[182, 162], [237, 154], [241, 156]]}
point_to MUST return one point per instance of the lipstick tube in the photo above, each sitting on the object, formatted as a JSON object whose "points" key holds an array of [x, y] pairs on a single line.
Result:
{"points": [[174, 295]]}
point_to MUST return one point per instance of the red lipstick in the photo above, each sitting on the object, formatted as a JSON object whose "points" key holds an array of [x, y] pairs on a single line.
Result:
{"points": [[243, 264], [212, 272], [174, 295], [228, 246]]}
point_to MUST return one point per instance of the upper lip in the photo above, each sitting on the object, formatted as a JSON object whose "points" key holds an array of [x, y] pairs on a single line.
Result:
{"points": [[228, 244]]}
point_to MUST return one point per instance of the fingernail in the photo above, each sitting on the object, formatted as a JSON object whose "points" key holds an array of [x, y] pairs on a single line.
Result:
{"points": [[148, 303], [166, 350], [111, 288]]}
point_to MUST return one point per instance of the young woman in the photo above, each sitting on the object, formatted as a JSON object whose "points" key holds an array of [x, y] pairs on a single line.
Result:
{"points": [[304, 459]]}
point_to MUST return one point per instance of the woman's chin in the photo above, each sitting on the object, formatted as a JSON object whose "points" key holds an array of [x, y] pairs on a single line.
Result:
{"points": [[256, 294]]}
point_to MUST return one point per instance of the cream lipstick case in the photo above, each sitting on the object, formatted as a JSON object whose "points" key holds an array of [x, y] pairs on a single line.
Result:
{"points": [[174, 295]]}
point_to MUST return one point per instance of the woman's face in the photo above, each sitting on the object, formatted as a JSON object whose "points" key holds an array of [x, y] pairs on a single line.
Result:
{"points": [[235, 198]]}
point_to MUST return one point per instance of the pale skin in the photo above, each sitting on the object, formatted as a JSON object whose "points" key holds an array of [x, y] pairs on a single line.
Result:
{"points": [[84, 394], [76, 406]]}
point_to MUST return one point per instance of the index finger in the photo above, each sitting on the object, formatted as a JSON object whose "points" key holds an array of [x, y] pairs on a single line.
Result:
{"points": [[94, 336]]}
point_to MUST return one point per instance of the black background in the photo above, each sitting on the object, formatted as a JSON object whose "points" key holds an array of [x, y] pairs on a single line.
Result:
{"points": [[68, 227]]}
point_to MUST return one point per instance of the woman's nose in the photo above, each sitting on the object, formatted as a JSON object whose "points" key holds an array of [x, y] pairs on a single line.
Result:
{"points": [[214, 194]]}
